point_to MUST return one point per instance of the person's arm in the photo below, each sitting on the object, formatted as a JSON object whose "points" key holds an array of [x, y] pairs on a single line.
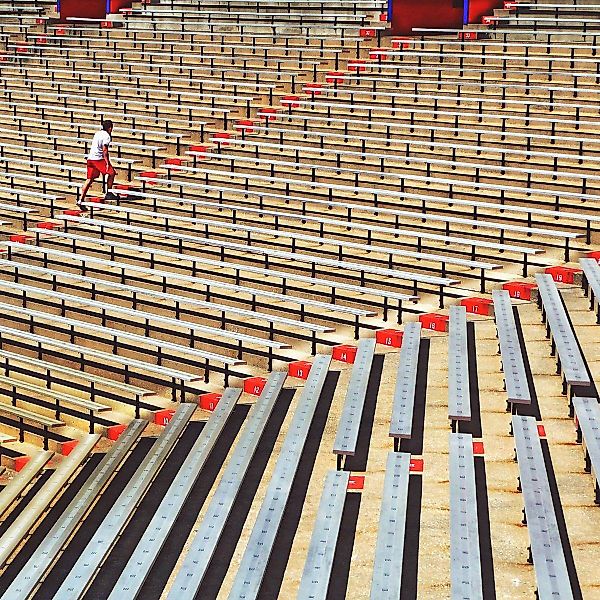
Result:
{"points": [[106, 155]]}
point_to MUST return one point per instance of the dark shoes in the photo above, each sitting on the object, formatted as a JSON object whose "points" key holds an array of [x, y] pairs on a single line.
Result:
{"points": [[110, 197]]}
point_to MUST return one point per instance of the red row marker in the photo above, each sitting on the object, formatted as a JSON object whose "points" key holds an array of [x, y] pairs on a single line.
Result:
{"points": [[209, 401], [383, 16], [434, 321], [467, 35], [541, 430], [20, 462], [478, 306], [20, 238], [221, 137], [270, 113], [245, 125], [562, 274], [254, 385], [67, 447], [291, 101], [595, 255], [344, 353], [72, 212], [400, 44], [389, 337], [378, 54], [162, 417], [357, 65], [335, 77], [367, 33], [519, 289], [313, 88], [478, 449], [299, 369], [356, 482], [114, 431], [487, 20], [416, 465], [200, 152], [508, 5], [46, 225]]}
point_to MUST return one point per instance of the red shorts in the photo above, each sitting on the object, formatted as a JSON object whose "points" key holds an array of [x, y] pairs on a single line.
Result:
{"points": [[97, 167]]}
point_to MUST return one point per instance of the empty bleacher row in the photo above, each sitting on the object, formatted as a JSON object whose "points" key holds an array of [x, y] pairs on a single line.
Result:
{"points": [[290, 180], [296, 454]]}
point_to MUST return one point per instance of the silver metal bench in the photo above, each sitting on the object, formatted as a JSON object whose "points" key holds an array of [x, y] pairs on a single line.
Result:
{"points": [[144, 556], [459, 393], [513, 365], [319, 561], [389, 552], [465, 559], [591, 283], [569, 359], [349, 425], [406, 382], [546, 550], [29, 517], [15, 487]]}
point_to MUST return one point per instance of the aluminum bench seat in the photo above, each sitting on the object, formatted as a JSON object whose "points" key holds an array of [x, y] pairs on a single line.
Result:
{"points": [[570, 361], [19, 483], [155, 536], [90, 557], [316, 575], [30, 515], [254, 561], [124, 267], [591, 283], [235, 225], [348, 430], [513, 365], [459, 394], [389, 551], [546, 550], [406, 383], [465, 559]]}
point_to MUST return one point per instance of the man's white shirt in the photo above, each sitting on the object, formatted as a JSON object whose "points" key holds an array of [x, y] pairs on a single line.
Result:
{"points": [[101, 140]]}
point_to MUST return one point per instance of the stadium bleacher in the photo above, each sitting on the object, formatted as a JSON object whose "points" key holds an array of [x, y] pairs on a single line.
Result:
{"points": [[232, 373]]}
